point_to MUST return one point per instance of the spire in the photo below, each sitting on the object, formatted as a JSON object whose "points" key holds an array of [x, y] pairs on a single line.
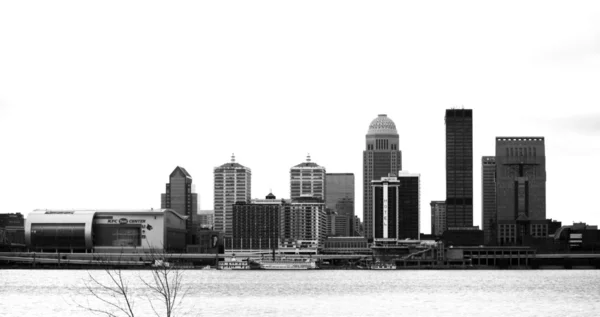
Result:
{"points": [[308, 157], [232, 158]]}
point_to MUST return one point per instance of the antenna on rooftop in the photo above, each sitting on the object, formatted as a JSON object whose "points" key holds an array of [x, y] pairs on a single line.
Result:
{"points": [[232, 158], [308, 157]]}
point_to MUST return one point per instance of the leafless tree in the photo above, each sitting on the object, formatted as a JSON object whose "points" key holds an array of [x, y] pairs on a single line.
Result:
{"points": [[165, 288], [115, 294], [165, 284]]}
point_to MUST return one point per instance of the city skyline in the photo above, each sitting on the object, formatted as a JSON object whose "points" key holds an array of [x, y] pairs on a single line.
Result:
{"points": [[314, 90]]}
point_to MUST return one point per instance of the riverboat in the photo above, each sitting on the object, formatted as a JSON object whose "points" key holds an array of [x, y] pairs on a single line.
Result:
{"points": [[284, 263], [233, 264]]}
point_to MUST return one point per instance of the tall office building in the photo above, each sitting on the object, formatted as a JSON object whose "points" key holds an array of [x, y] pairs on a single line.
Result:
{"points": [[233, 183], [180, 197], [381, 157], [459, 168], [520, 189], [386, 209], [256, 226], [339, 199], [488, 199], [409, 205], [438, 217], [307, 180]]}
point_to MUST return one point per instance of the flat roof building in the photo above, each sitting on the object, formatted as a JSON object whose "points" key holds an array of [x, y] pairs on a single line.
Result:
{"points": [[459, 167], [339, 200]]}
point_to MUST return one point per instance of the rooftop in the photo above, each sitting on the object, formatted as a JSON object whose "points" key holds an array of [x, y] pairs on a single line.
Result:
{"points": [[382, 125]]}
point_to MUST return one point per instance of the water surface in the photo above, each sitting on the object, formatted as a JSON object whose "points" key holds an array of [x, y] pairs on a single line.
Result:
{"points": [[322, 293]]}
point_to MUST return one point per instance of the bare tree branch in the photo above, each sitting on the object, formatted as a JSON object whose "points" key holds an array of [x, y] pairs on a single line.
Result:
{"points": [[165, 285]]}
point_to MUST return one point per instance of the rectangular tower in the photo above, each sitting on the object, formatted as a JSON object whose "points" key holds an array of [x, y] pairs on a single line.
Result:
{"points": [[459, 168], [520, 188], [256, 226], [233, 183], [438, 217], [179, 196], [488, 199], [303, 219], [339, 199], [382, 156], [409, 205], [386, 197]]}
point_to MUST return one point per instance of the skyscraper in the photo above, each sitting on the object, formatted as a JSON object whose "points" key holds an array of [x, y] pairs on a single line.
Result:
{"points": [[386, 197], [488, 199], [409, 205], [179, 196], [520, 189], [381, 157], [459, 168], [233, 183], [307, 180], [438, 217], [339, 199]]}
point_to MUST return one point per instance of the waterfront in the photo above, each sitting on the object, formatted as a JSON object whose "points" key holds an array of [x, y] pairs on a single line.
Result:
{"points": [[328, 293]]}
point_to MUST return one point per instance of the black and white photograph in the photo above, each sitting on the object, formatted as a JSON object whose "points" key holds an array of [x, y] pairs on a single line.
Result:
{"points": [[299, 158]]}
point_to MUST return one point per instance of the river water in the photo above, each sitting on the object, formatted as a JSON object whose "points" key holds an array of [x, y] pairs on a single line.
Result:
{"points": [[322, 293]]}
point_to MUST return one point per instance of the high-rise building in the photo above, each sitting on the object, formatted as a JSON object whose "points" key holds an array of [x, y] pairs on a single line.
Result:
{"points": [[459, 168], [409, 205], [233, 183], [386, 209], [307, 180], [180, 197], [339, 199], [381, 157], [304, 219], [438, 217], [488, 199], [520, 189], [256, 226]]}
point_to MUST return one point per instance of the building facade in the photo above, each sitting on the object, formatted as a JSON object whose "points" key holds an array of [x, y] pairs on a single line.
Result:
{"points": [[206, 219], [339, 199], [381, 157], [256, 226], [386, 197], [488, 199], [459, 167], [111, 231], [303, 219], [12, 231], [307, 180], [233, 183], [520, 189], [358, 227], [180, 197], [409, 205], [438, 217]]}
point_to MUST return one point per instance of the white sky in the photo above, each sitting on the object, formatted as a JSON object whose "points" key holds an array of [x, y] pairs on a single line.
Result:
{"points": [[100, 101]]}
